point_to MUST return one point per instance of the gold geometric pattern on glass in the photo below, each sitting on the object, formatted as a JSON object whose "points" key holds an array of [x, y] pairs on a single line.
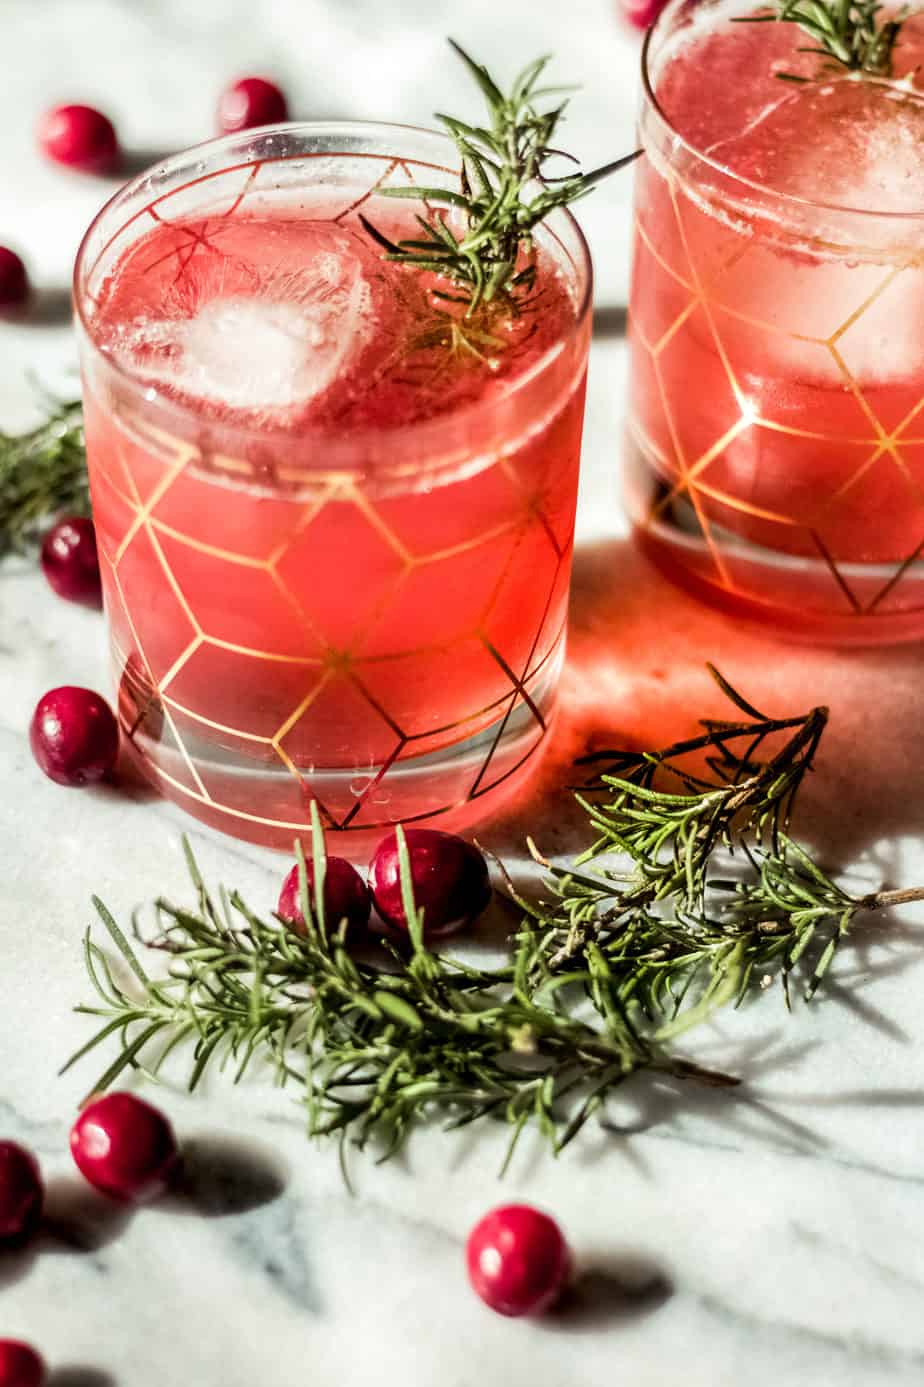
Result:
{"points": [[346, 665], [878, 445]]}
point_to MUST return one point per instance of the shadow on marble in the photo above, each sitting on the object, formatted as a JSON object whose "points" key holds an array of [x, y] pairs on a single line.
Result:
{"points": [[654, 1099], [636, 678], [139, 160], [610, 320], [609, 1292], [126, 785], [52, 307], [863, 1098], [77, 1375], [77, 1221], [128, 782], [79, 1218], [845, 988], [729, 1119], [223, 1175], [657, 1101]]}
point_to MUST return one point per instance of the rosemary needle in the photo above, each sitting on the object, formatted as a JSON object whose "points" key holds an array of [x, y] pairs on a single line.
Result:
{"points": [[847, 34]]}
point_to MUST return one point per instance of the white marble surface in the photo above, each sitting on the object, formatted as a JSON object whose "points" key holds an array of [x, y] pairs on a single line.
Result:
{"points": [[774, 1237]]}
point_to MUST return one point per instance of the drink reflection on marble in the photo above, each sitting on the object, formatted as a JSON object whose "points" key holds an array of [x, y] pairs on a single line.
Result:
{"points": [[335, 520], [776, 449]]}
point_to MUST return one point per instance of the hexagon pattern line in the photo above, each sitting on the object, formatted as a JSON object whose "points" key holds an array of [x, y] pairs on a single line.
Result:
{"points": [[147, 664], [479, 713], [519, 685]]}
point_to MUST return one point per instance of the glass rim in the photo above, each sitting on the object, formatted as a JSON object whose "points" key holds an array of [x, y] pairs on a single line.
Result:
{"points": [[652, 36], [420, 428]]}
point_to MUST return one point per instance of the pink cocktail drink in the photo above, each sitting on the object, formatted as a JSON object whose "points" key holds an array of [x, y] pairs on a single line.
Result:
{"points": [[335, 516], [777, 319]]}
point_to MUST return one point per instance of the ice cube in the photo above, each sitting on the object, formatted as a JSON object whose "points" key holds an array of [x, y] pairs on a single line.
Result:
{"points": [[848, 142], [272, 350], [253, 354]]}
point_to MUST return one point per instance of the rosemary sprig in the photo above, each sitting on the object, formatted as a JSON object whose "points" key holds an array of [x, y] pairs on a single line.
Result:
{"points": [[505, 192], [848, 34], [374, 1047], [601, 979], [745, 795], [42, 473]]}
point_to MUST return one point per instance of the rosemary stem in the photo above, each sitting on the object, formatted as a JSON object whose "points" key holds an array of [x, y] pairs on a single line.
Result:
{"points": [[883, 900], [717, 737], [687, 1069]]}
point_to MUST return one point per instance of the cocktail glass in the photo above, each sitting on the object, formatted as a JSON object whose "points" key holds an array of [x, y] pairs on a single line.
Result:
{"points": [[335, 522], [775, 433]]}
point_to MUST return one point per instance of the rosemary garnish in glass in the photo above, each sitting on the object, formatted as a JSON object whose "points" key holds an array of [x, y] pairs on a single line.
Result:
{"points": [[848, 34], [478, 239], [699, 897], [481, 241]]}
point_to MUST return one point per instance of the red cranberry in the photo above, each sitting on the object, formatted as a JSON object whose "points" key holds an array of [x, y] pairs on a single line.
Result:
{"points": [[450, 879], [249, 102], [20, 1365], [14, 282], [124, 1147], [641, 14], [74, 736], [70, 561], [518, 1261], [346, 897], [80, 137], [21, 1194]]}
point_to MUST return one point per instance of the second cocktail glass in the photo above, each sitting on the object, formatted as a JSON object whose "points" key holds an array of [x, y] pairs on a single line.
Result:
{"points": [[776, 433]]}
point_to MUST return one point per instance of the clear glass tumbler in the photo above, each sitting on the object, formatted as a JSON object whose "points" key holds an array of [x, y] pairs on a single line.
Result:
{"points": [[775, 436], [335, 521]]}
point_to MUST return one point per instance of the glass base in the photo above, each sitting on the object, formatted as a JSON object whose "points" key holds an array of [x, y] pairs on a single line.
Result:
{"points": [[451, 789], [806, 597]]}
